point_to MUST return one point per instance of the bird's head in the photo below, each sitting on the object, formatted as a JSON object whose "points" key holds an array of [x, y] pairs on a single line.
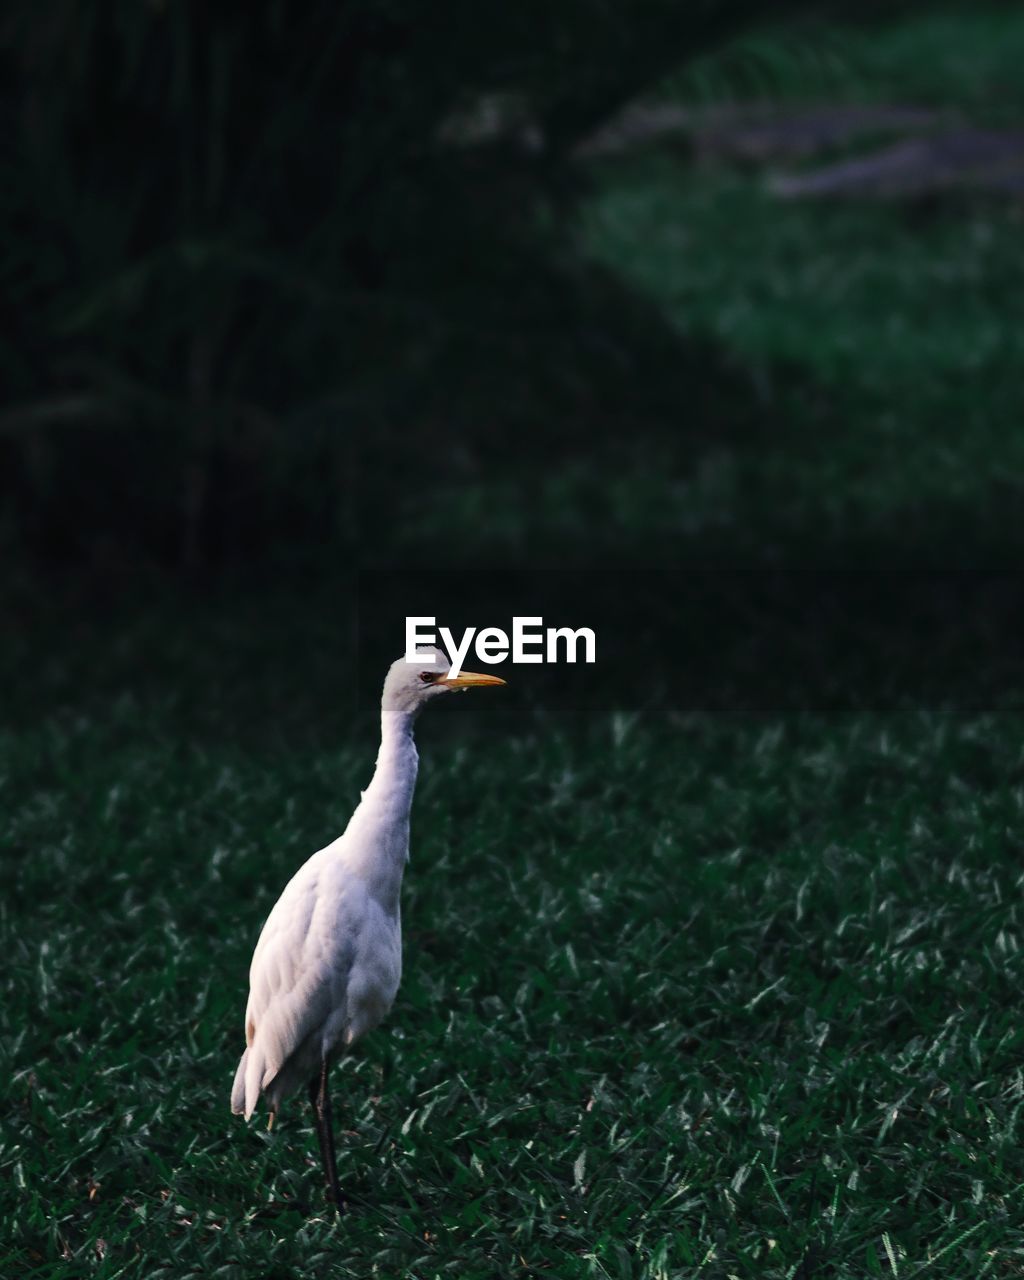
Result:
{"points": [[411, 685]]}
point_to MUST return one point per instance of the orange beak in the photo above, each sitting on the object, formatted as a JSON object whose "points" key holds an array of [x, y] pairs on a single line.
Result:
{"points": [[469, 680]]}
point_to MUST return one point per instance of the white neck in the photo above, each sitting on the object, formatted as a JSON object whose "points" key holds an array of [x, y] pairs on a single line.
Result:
{"points": [[394, 778], [376, 841]]}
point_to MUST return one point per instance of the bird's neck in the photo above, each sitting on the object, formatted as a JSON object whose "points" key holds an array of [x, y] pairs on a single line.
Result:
{"points": [[377, 840], [394, 778]]}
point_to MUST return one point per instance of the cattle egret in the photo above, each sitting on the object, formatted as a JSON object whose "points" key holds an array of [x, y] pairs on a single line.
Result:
{"points": [[329, 959]]}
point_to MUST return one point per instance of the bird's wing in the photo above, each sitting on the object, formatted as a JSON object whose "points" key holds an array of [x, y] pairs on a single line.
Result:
{"points": [[299, 972]]}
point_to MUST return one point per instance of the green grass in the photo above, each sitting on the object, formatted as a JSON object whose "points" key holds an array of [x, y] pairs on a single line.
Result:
{"points": [[955, 58], [878, 342], [883, 349], [700, 997], [669, 978]]}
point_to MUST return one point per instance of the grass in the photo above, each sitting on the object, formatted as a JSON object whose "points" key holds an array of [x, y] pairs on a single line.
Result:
{"points": [[905, 330], [954, 58], [702, 997], [877, 342]]}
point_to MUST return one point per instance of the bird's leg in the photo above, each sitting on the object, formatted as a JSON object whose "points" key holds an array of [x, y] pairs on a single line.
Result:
{"points": [[320, 1097]]}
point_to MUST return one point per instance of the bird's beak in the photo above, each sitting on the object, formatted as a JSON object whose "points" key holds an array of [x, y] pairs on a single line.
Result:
{"points": [[469, 680]]}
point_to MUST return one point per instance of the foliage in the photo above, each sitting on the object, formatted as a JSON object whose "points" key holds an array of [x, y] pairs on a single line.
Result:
{"points": [[240, 237]]}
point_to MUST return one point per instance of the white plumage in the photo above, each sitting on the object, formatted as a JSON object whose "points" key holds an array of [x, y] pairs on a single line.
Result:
{"points": [[328, 962]]}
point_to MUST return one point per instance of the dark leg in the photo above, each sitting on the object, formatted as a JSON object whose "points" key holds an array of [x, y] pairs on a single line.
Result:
{"points": [[320, 1098]]}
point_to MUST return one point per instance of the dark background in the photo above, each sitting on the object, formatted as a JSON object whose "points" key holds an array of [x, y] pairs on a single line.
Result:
{"points": [[307, 310]]}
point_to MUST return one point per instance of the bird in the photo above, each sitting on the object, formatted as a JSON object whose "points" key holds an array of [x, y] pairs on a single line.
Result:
{"points": [[328, 961]]}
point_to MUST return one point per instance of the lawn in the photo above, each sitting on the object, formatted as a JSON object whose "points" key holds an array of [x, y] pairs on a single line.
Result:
{"points": [[879, 342], [721, 992], [704, 996]]}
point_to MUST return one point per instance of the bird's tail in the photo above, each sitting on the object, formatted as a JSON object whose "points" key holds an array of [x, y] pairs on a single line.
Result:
{"points": [[248, 1085], [238, 1106]]}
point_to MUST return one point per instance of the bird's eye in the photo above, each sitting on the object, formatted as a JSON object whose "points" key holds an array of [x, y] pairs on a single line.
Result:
{"points": [[428, 677]]}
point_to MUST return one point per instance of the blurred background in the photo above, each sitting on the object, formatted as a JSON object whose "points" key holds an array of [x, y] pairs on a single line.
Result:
{"points": [[303, 296]]}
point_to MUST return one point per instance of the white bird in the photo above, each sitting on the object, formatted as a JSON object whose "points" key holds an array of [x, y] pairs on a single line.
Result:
{"points": [[328, 962]]}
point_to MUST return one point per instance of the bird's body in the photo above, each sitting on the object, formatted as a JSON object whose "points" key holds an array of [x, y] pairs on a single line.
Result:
{"points": [[328, 962]]}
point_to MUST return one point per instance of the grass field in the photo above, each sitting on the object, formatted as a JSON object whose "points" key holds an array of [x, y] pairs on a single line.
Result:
{"points": [[880, 341], [686, 994], [693, 998]]}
